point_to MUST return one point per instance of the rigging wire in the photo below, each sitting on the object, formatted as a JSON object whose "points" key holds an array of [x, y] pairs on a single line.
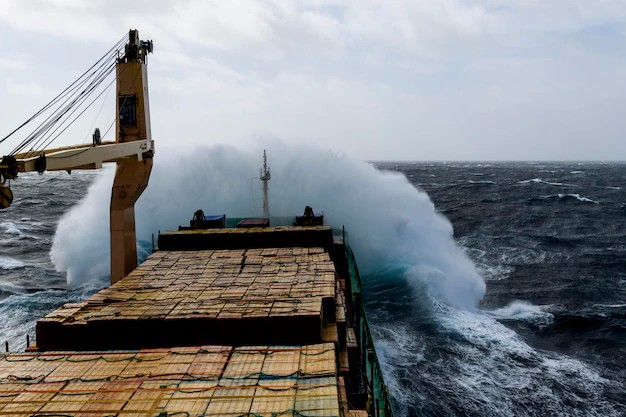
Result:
{"points": [[68, 102], [77, 97], [95, 120], [53, 138], [65, 113], [122, 104], [43, 132], [48, 119], [116, 47], [58, 113]]}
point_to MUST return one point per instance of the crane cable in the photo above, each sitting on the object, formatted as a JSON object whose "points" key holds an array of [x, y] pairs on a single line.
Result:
{"points": [[68, 102], [54, 100], [44, 136], [74, 100]]}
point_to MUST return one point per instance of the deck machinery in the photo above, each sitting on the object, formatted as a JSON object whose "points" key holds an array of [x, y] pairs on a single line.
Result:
{"points": [[249, 321]]}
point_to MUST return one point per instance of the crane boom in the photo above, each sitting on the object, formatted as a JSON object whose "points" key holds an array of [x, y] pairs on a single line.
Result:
{"points": [[132, 151], [83, 156]]}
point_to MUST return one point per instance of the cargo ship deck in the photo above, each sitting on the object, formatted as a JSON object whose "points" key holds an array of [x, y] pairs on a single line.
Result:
{"points": [[217, 322]]}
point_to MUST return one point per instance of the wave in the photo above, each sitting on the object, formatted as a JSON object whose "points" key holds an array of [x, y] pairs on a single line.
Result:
{"points": [[610, 305], [540, 181], [577, 197], [10, 263], [20, 229], [389, 221], [564, 198], [484, 368], [524, 311], [8, 288], [20, 312], [494, 273]]}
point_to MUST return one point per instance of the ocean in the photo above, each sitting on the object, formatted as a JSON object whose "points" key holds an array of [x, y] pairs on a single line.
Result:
{"points": [[549, 336], [535, 327]]}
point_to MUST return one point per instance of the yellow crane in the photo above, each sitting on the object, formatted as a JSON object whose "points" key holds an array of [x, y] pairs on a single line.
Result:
{"points": [[132, 150]]}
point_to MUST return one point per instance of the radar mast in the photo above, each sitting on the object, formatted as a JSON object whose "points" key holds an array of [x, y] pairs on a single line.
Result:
{"points": [[265, 178]]}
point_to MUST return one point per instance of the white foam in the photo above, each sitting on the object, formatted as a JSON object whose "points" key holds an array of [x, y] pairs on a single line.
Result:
{"points": [[11, 228], [18, 229], [494, 273], [397, 348], [10, 263], [578, 197], [540, 181], [610, 305], [522, 310], [389, 222], [20, 312], [495, 369]]}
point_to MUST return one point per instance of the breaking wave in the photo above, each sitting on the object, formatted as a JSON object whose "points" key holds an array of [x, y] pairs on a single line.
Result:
{"points": [[390, 223], [540, 181], [10, 263], [24, 310], [524, 311], [565, 198], [486, 369]]}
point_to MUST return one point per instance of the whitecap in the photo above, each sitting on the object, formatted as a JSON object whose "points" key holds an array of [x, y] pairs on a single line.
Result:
{"points": [[15, 229], [217, 179], [10, 263], [522, 310], [578, 197], [494, 273], [610, 305], [540, 181], [496, 370]]}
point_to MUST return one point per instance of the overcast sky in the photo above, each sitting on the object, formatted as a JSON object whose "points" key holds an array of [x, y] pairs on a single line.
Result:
{"points": [[376, 80]]}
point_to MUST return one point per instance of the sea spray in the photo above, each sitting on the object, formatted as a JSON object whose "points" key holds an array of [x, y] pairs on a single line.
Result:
{"points": [[390, 223]]}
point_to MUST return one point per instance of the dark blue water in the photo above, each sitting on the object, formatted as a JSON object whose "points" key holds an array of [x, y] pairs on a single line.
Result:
{"points": [[30, 287], [550, 334], [548, 338]]}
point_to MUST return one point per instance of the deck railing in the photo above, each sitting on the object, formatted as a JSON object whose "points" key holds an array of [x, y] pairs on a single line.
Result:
{"points": [[378, 394]]}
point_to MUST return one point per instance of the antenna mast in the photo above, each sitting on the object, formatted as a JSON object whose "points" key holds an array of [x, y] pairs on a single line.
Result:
{"points": [[265, 177]]}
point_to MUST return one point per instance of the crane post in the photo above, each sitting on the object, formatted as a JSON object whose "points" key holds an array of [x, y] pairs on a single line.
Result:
{"points": [[131, 174]]}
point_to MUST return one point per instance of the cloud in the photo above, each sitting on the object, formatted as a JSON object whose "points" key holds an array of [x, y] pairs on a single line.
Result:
{"points": [[12, 64], [448, 79]]}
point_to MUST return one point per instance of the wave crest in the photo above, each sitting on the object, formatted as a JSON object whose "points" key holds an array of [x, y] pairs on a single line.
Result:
{"points": [[389, 221]]}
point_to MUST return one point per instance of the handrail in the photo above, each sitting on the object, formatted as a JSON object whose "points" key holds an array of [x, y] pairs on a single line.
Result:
{"points": [[378, 393]]}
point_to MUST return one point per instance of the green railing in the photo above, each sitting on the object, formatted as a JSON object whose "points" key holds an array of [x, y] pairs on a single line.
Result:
{"points": [[378, 394]]}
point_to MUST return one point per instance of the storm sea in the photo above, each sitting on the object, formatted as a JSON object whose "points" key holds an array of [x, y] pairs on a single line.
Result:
{"points": [[492, 289]]}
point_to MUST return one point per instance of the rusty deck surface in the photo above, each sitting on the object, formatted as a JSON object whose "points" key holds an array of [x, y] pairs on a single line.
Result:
{"points": [[204, 380], [178, 298]]}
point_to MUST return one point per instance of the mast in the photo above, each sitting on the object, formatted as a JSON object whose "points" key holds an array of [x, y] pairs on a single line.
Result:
{"points": [[265, 178], [131, 174]]}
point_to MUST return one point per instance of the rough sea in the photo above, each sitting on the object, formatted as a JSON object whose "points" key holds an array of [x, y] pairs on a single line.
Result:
{"points": [[549, 239]]}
